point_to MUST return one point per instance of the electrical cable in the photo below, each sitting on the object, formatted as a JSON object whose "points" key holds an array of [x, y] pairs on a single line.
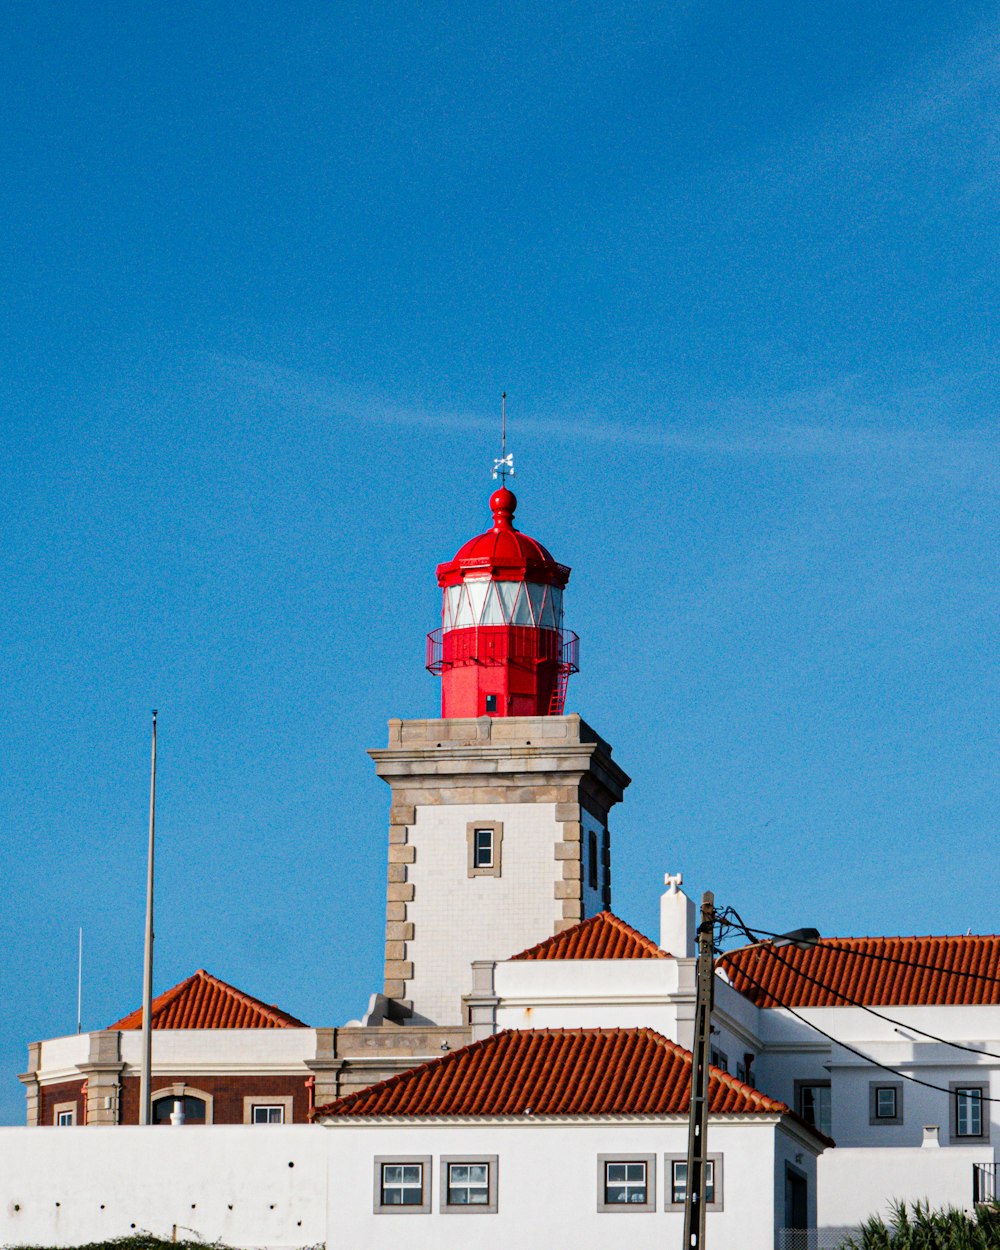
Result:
{"points": [[853, 1002], [860, 1054], [830, 944]]}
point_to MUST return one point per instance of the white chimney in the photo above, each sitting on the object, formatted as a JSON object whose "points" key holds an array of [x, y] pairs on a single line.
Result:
{"points": [[931, 1135], [677, 919]]}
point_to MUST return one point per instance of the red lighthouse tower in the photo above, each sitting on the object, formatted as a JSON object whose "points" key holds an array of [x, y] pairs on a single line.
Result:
{"points": [[501, 649]]}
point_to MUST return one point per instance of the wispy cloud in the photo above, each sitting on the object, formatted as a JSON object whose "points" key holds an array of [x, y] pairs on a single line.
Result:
{"points": [[827, 423]]}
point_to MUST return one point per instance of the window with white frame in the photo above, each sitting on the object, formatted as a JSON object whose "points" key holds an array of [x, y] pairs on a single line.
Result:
{"points": [[267, 1109], [482, 851], [468, 1184], [626, 1182], [968, 1121], [64, 1114], [885, 1102], [402, 1184], [676, 1182], [485, 839], [267, 1113]]}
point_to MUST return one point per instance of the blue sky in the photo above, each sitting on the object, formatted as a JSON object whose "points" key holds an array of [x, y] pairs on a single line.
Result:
{"points": [[266, 270]]}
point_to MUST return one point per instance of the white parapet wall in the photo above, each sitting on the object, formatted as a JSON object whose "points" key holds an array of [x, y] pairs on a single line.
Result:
{"points": [[259, 1186], [288, 1186], [855, 1184]]}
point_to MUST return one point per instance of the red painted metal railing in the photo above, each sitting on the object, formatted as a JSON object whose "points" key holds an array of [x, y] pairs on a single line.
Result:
{"points": [[503, 644]]}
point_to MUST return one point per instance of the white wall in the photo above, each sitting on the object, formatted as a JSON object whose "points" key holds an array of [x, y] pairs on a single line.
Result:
{"points": [[458, 918], [75, 1185], [191, 1050], [587, 993], [548, 1187], [856, 1184], [233, 1183]]}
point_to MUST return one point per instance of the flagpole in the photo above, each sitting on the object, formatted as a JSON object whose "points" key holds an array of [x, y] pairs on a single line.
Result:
{"points": [[145, 1079], [79, 984]]}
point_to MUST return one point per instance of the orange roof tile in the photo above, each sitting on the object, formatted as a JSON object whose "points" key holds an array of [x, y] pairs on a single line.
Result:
{"points": [[603, 936], [875, 971], [555, 1072], [205, 1002]]}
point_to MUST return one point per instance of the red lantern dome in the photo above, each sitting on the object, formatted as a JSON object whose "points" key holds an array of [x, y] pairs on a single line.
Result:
{"points": [[501, 649]]}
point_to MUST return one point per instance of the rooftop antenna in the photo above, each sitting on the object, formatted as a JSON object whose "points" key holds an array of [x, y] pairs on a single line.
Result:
{"points": [[505, 464], [79, 984], [145, 1075]]}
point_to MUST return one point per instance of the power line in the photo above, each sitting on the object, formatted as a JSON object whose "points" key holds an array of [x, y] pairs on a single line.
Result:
{"points": [[861, 1055], [853, 1002], [831, 945]]}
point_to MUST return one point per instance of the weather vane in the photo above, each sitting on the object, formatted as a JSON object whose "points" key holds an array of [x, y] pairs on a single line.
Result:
{"points": [[505, 464]]}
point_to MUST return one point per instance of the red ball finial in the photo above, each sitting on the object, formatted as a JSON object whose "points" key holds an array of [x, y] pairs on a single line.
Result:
{"points": [[503, 502]]}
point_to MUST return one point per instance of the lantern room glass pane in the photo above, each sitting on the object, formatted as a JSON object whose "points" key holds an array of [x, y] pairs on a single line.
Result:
{"points": [[492, 613], [508, 595], [547, 620], [536, 596], [452, 598], [476, 590], [521, 614], [463, 612]]}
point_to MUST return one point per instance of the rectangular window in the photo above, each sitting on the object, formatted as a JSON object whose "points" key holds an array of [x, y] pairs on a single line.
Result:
{"points": [[720, 1059], [65, 1119], [626, 1183], [676, 1182], [592, 858], [268, 1109], [485, 839], [402, 1185], [968, 1111], [885, 1104], [267, 1113], [468, 1185], [814, 1104], [482, 851]]}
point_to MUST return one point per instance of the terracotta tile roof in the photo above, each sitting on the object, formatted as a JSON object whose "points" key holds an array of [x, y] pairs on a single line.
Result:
{"points": [[876, 971], [554, 1072], [603, 936], [205, 1002]]}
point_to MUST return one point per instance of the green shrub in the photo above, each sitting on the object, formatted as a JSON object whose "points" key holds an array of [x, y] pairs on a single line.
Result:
{"points": [[919, 1228]]}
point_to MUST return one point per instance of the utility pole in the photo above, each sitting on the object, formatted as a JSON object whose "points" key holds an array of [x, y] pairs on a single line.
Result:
{"points": [[697, 1152], [145, 1075]]}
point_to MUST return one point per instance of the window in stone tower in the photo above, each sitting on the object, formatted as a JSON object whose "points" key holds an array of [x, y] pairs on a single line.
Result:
{"points": [[485, 839]]}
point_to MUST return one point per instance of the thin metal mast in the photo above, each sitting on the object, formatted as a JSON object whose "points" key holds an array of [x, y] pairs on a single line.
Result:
{"points": [[503, 437], [79, 984], [505, 464], [145, 1079]]}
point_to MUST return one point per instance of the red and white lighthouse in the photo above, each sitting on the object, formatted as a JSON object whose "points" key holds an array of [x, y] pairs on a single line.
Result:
{"points": [[501, 649]]}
